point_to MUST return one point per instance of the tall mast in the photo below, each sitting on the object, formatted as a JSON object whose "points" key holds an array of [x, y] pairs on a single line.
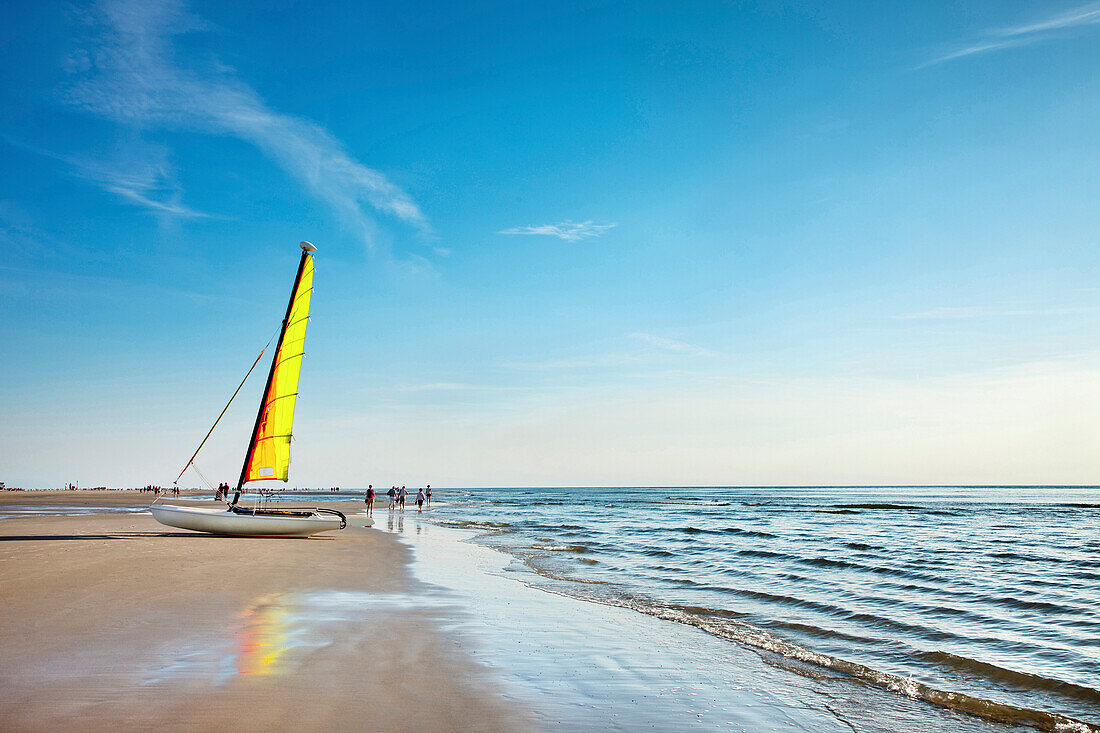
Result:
{"points": [[307, 248]]}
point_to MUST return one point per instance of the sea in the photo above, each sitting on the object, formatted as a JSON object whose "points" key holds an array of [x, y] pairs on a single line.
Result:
{"points": [[985, 600]]}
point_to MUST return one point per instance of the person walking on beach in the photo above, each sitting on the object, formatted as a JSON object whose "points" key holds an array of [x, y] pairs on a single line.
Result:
{"points": [[401, 498], [370, 500], [392, 493], [420, 501], [429, 496]]}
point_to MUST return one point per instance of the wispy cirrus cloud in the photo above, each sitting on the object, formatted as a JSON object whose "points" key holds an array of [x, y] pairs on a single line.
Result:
{"points": [[613, 360], [568, 230], [671, 345], [131, 71], [148, 182], [455, 387], [141, 174], [965, 312], [657, 350], [997, 39]]}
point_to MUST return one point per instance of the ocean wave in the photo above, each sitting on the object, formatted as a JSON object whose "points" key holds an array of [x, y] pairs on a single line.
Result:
{"points": [[863, 547], [762, 553], [878, 506], [470, 524], [693, 530], [1020, 680], [548, 573], [781, 652], [1085, 575], [565, 548], [1023, 605], [749, 532], [824, 562]]}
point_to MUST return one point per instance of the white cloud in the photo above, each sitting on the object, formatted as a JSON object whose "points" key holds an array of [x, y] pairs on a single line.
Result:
{"points": [[1001, 38], [657, 352], [977, 48], [444, 387], [1088, 14], [950, 313], [131, 73], [147, 181], [672, 345], [567, 230], [138, 172], [613, 360]]}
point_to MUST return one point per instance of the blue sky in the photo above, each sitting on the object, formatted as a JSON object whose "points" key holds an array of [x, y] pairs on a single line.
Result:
{"points": [[559, 243]]}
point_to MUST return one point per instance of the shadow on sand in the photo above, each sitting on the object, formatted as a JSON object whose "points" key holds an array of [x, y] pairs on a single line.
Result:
{"points": [[133, 536]]}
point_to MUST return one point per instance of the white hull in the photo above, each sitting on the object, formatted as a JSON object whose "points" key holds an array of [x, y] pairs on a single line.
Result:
{"points": [[225, 522]]}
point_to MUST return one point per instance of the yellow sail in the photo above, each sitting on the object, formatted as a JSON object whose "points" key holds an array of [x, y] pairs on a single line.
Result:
{"points": [[270, 456]]}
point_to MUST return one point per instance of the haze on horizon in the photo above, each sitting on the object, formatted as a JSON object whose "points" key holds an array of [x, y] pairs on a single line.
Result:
{"points": [[580, 243]]}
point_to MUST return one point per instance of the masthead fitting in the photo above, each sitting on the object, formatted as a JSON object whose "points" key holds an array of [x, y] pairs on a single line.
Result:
{"points": [[307, 247]]}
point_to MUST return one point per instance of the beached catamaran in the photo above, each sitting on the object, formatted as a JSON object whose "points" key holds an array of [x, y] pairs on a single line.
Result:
{"points": [[268, 454]]}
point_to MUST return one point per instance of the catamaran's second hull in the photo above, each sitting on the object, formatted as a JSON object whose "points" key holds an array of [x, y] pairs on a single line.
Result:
{"points": [[225, 522]]}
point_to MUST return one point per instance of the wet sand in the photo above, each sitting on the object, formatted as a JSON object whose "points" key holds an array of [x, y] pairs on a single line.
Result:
{"points": [[113, 620]]}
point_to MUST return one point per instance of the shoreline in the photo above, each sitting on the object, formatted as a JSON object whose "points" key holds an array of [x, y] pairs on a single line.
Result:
{"points": [[116, 620], [584, 665]]}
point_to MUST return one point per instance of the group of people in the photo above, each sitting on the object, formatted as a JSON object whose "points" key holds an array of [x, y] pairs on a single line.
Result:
{"points": [[222, 493], [397, 498], [157, 490]]}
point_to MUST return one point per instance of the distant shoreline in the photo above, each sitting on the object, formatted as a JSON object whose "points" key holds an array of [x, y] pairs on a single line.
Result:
{"points": [[192, 491]]}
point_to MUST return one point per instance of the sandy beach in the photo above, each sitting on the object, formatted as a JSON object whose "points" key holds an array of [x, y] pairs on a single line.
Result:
{"points": [[112, 620]]}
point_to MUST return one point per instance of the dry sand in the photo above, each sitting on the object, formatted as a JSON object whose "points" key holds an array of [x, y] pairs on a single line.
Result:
{"points": [[113, 620]]}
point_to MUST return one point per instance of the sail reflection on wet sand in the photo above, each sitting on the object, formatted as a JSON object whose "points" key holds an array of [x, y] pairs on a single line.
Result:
{"points": [[275, 631], [262, 637]]}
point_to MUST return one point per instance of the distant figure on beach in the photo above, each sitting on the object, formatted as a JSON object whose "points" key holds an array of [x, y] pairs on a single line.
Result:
{"points": [[370, 500], [429, 495], [420, 500], [392, 493], [401, 498]]}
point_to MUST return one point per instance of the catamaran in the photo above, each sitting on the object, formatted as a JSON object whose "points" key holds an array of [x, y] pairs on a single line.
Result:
{"points": [[268, 454]]}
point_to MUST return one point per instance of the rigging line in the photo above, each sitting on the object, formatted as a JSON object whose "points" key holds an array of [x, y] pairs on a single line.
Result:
{"points": [[192, 460], [205, 480]]}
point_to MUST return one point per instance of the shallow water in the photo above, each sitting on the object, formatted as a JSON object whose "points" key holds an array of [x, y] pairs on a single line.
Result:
{"points": [[978, 599], [577, 665], [13, 511]]}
